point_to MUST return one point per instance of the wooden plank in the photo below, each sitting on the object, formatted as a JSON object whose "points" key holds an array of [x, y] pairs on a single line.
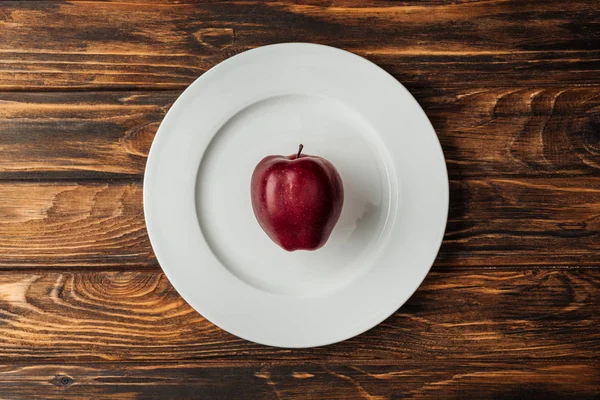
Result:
{"points": [[65, 225], [78, 135], [522, 222], [484, 132], [47, 45], [517, 131], [409, 380], [320, 3], [546, 314], [500, 221]]}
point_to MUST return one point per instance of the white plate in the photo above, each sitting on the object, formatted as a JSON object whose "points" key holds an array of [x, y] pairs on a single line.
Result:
{"points": [[268, 101]]}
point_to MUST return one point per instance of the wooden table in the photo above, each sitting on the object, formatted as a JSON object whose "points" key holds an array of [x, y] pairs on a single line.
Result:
{"points": [[511, 308]]}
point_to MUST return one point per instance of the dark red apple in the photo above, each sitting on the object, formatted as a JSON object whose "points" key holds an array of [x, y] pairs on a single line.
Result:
{"points": [[297, 199]]}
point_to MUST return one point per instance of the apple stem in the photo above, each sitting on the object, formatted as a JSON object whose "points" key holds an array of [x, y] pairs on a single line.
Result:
{"points": [[300, 150]]}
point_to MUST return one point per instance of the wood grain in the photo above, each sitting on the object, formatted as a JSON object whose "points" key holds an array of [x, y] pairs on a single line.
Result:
{"points": [[522, 222], [66, 225], [492, 222], [48, 45], [512, 307], [408, 380], [456, 315], [484, 132], [78, 135]]}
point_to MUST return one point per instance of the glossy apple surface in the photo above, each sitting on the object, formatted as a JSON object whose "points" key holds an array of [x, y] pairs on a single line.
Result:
{"points": [[297, 199]]}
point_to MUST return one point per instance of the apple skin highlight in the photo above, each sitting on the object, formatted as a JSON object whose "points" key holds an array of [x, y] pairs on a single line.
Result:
{"points": [[297, 200]]}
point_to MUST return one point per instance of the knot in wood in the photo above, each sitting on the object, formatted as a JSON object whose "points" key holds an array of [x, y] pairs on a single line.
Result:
{"points": [[62, 380]]}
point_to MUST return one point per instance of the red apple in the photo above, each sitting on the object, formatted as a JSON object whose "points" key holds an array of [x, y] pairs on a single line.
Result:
{"points": [[297, 199]]}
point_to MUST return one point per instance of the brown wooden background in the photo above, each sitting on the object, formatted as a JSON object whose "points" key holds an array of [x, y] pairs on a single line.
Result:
{"points": [[511, 308]]}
